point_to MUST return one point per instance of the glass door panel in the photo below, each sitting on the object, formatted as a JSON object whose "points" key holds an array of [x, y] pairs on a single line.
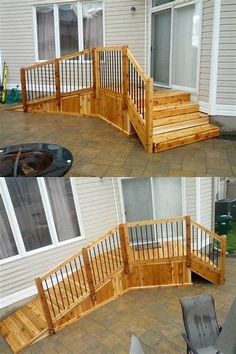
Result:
{"points": [[185, 45], [161, 34]]}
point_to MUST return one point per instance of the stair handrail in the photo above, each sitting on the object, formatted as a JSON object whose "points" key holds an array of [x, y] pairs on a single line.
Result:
{"points": [[216, 247]]}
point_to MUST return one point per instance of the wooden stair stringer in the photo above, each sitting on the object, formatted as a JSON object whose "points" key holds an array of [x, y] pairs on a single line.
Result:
{"points": [[205, 270]]}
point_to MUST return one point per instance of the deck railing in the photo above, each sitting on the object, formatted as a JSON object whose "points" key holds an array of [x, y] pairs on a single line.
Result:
{"points": [[113, 69], [81, 275]]}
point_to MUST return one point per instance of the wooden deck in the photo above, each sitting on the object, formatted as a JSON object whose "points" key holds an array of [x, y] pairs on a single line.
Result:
{"points": [[129, 256], [114, 87]]}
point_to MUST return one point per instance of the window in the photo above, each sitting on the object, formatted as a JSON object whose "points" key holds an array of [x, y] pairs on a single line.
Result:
{"points": [[8, 246], [68, 27], [63, 207], [30, 214], [45, 32], [36, 213]]}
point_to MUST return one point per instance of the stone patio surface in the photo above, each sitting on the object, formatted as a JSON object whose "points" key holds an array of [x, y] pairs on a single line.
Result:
{"points": [[152, 314], [101, 150]]}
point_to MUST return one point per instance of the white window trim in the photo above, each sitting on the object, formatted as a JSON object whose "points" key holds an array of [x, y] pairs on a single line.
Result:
{"points": [[22, 253], [56, 24]]}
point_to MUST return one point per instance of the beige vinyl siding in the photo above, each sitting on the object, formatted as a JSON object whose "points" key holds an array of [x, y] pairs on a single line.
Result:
{"points": [[226, 83], [16, 36], [206, 202], [205, 62], [126, 28], [190, 184], [98, 211]]}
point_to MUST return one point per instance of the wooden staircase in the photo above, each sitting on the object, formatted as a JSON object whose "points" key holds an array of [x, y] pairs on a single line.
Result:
{"points": [[177, 121], [113, 86], [119, 261]]}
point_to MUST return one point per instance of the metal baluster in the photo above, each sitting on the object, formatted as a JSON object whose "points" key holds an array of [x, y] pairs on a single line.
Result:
{"points": [[69, 282], [132, 240], [49, 295], [107, 255], [167, 235], [172, 239], [177, 233], [54, 291], [82, 271], [163, 253], [78, 277], [65, 287], [105, 262], [113, 241], [113, 266], [101, 266], [157, 241], [59, 287], [75, 286], [147, 242], [119, 248]]}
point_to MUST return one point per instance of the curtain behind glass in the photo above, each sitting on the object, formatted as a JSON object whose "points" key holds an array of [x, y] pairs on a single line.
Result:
{"points": [[7, 242], [45, 31], [68, 24], [28, 206], [63, 207], [93, 25]]}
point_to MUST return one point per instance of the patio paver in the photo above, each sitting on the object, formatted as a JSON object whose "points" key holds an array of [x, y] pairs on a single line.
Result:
{"points": [[101, 150], [152, 314]]}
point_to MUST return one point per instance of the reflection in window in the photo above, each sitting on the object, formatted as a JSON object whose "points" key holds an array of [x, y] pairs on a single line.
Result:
{"points": [[68, 26], [93, 24], [7, 243], [45, 32], [28, 206], [63, 207]]}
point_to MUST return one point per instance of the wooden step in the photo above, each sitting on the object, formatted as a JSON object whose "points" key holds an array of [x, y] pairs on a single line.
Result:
{"points": [[170, 96], [176, 119], [174, 109], [182, 137], [23, 327], [186, 123]]}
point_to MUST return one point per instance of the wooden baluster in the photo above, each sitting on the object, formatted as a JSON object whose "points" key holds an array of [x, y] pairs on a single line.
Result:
{"points": [[89, 275], [188, 240], [57, 82], [23, 89], [45, 306], [148, 114], [125, 60], [222, 258], [125, 247]]}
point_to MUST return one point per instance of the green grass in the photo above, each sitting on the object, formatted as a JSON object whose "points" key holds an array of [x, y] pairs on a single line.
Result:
{"points": [[231, 239]]}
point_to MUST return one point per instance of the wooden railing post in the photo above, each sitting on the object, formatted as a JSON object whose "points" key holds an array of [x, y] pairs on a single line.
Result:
{"points": [[57, 82], [188, 240], [125, 247], [23, 89], [89, 274], [149, 115], [96, 78], [45, 306], [222, 258]]}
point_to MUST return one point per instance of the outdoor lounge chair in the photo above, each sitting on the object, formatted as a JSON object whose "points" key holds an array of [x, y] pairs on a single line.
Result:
{"points": [[136, 347], [201, 325]]}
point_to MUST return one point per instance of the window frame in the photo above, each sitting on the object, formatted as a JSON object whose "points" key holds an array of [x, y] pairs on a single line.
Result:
{"points": [[22, 253], [55, 7]]}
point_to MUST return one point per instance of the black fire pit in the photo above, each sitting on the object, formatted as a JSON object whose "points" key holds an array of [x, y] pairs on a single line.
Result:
{"points": [[34, 160]]}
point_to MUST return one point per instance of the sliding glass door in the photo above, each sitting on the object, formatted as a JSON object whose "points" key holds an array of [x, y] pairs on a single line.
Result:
{"points": [[175, 45]]}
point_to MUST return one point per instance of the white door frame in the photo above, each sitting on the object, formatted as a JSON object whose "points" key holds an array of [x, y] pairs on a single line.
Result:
{"points": [[172, 6]]}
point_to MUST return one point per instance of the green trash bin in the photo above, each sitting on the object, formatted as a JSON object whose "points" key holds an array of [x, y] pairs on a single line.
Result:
{"points": [[223, 224]]}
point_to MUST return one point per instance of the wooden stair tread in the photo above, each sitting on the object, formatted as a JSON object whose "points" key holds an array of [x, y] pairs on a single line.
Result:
{"points": [[24, 326], [178, 118], [168, 93], [175, 105], [159, 138], [187, 123]]}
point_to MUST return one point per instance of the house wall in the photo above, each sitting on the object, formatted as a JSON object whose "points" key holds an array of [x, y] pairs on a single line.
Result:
{"points": [[226, 85], [122, 27], [206, 202], [191, 197], [206, 40], [98, 211]]}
